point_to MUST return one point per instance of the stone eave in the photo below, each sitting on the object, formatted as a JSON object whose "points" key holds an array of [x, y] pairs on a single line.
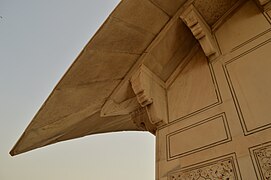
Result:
{"points": [[138, 35]]}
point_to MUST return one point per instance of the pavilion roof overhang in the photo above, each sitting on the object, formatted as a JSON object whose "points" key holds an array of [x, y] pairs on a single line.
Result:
{"points": [[144, 37]]}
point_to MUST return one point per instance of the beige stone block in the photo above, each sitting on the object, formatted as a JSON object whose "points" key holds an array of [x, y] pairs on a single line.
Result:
{"points": [[247, 23], [169, 6], [138, 14], [169, 52], [143, 67], [67, 101], [120, 36], [96, 124], [96, 66]]}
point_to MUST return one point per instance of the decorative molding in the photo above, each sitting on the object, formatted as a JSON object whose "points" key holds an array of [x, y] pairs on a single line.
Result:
{"points": [[201, 30], [221, 168], [151, 94], [265, 4], [261, 158]]}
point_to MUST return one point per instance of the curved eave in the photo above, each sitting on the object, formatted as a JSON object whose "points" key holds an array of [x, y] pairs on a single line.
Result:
{"points": [[72, 110], [137, 31]]}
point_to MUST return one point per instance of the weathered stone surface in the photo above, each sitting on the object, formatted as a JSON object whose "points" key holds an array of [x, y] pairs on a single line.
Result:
{"points": [[68, 101], [201, 31], [147, 72], [170, 43], [169, 6], [75, 126], [190, 92], [214, 9], [168, 52], [229, 35], [96, 66], [140, 16], [219, 125], [119, 36]]}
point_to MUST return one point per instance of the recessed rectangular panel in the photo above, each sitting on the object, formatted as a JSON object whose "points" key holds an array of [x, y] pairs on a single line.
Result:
{"points": [[249, 76], [199, 136], [244, 26]]}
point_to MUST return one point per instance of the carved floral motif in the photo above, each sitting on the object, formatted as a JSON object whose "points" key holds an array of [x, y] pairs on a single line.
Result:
{"points": [[263, 158], [223, 169]]}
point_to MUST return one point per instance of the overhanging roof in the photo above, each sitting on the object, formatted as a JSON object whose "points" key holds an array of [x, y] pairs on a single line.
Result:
{"points": [[137, 32]]}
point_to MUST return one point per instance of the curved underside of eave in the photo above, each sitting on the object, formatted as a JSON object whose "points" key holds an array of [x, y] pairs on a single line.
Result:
{"points": [[136, 30], [53, 133], [73, 108]]}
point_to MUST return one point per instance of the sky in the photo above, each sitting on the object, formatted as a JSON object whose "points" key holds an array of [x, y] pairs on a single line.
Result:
{"points": [[39, 39]]}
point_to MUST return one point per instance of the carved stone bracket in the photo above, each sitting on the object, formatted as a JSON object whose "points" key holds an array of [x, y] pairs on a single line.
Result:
{"points": [[141, 119], [266, 4], [151, 95], [201, 31]]}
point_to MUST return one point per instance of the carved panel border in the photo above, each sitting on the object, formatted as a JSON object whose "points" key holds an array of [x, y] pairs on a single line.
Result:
{"points": [[227, 139], [234, 95], [261, 158], [223, 167]]}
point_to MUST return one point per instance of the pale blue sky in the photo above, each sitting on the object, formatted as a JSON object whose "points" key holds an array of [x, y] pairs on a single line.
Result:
{"points": [[39, 39]]}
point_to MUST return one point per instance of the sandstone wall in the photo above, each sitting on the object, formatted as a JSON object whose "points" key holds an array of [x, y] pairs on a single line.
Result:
{"points": [[219, 111]]}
